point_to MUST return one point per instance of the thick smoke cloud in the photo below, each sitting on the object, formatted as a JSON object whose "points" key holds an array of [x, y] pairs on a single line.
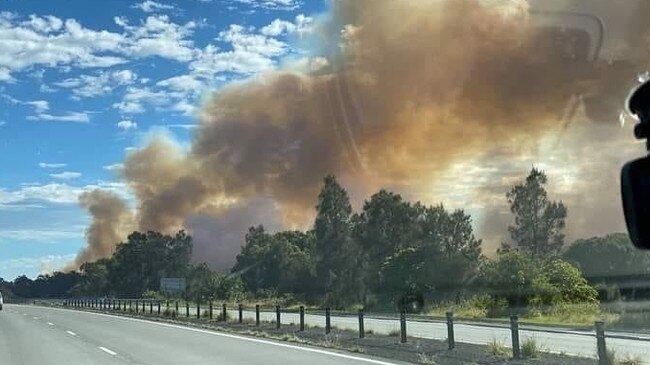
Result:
{"points": [[410, 88], [111, 220]]}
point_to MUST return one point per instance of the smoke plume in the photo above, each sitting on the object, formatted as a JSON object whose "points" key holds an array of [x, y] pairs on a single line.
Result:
{"points": [[409, 90], [111, 220]]}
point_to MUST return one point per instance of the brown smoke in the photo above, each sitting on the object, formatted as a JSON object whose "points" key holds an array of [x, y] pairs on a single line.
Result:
{"points": [[111, 220], [411, 88]]}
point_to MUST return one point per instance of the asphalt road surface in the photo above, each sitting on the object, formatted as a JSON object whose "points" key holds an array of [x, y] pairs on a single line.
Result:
{"points": [[31, 335]]}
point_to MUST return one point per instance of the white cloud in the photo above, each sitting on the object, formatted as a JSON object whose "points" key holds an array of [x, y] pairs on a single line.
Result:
{"points": [[114, 167], [40, 106], [149, 6], [2, 122], [136, 98], [66, 175], [5, 74], [185, 83], [49, 41], [44, 264], [45, 165], [101, 84], [158, 36], [182, 126], [77, 117], [57, 193], [303, 24], [272, 4], [127, 124]]}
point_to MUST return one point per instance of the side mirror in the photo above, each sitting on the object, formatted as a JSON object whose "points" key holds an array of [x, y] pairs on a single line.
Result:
{"points": [[635, 176], [635, 190]]}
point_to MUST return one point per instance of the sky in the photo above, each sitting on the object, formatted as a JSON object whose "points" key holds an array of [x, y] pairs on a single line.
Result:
{"points": [[84, 82]]}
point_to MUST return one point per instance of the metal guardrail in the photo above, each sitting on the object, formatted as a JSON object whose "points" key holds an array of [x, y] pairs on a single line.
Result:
{"points": [[171, 308]]}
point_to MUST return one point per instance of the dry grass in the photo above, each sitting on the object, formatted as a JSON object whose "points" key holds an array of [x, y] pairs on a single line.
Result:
{"points": [[630, 360], [497, 348], [425, 359], [531, 349]]}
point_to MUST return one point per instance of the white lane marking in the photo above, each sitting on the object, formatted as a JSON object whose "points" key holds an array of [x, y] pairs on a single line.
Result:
{"points": [[71, 333], [50, 324], [237, 337], [36, 318], [112, 353]]}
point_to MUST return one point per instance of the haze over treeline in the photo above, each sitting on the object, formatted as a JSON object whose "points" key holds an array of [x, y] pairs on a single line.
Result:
{"points": [[441, 101]]}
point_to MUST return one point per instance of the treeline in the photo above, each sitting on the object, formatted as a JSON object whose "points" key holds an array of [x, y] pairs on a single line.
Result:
{"points": [[391, 254]]}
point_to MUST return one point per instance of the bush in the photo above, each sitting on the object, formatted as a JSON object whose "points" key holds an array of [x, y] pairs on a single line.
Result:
{"points": [[530, 348], [523, 282], [497, 348], [152, 294]]}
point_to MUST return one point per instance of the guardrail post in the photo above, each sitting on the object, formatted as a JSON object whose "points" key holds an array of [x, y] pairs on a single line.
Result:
{"points": [[277, 316], [241, 313], [450, 330], [159, 307], [137, 306], [187, 309], [167, 305], [257, 315], [211, 308], [514, 329], [402, 326], [224, 312], [600, 343], [151, 307], [144, 307], [328, 323], [302, 318], [176, 310], [362, 331], [198, 309]]}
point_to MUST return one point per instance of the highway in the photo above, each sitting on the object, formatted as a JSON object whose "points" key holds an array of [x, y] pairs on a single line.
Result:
{"points": [[31, 335]]}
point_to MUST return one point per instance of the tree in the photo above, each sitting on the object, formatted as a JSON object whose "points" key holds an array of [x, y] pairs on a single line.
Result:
{"points": [[334, 249], [607, 262], [610, 256], [443, 254], [517, 278], [538, 222], [572, 287], [281, 262], [94, 277], [450, 245], [138, 264], [386, 226]]}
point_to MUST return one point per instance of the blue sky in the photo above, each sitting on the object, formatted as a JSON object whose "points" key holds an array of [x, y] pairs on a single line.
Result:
{"points": [[82, 82]]}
